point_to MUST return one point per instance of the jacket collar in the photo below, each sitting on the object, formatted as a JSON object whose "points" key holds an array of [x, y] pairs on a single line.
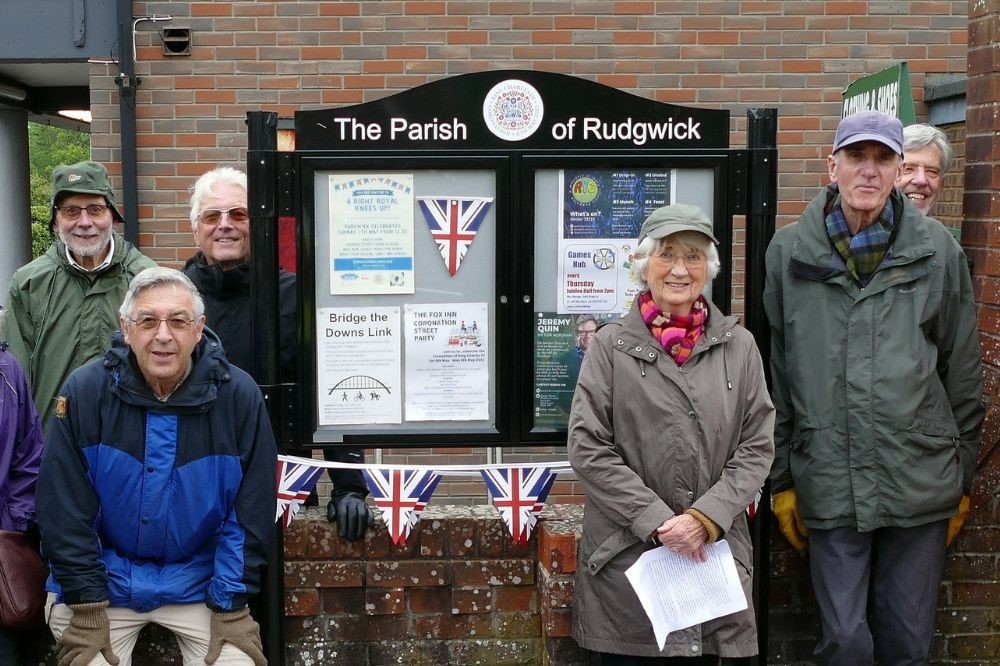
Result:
{"points": [[209, 369], [210, 278], [635, 339], [813, 255], [58, 252]]}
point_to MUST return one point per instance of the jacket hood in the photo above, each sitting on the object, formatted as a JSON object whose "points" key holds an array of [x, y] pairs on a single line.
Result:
{"points": [[210, 368]]}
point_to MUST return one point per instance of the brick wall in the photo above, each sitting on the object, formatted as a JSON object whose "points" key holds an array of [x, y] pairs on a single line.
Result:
{"points": [[459, 592], [283, 56]]}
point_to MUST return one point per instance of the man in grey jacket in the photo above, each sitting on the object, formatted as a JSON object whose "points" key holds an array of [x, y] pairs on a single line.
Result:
{"points": [[877, 384]]}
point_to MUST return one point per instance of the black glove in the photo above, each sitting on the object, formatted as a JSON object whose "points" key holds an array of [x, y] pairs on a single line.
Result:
{"points": [[88, 633], [350, 512], [240, 630]]}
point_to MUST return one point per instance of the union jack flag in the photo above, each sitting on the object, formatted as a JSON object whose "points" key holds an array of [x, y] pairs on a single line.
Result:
{"points": [[519, 493], [295, 482], [454, 223], [401, 496]]}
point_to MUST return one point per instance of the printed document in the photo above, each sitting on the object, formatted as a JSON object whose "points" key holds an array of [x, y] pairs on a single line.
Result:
{"points": [[677, 592]]}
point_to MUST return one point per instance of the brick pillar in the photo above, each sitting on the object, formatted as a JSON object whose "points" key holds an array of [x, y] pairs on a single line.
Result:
{"points": [[981, 227]]}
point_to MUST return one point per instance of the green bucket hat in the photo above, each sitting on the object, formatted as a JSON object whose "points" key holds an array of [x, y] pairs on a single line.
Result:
{"points": [[82, 178], [673, 218]]}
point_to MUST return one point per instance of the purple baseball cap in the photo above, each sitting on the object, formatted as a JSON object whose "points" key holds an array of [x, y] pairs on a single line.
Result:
{"points": [[869, 126]]}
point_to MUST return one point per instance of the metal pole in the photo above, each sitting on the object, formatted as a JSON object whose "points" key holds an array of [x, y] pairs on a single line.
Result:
{"points": [[127, 83], [762, 196], [262, 201]]}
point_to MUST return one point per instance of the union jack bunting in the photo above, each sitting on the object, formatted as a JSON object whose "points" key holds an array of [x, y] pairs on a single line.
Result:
{"points": [[295, 482], [454, 223], [519, 494], [401, 496]]}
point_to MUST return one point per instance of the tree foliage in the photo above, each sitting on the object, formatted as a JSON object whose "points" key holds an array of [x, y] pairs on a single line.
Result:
{"points": [[48, 147]]}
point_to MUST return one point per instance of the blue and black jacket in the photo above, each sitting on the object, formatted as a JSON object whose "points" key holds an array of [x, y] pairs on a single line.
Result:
{"points": [[146, 503]]}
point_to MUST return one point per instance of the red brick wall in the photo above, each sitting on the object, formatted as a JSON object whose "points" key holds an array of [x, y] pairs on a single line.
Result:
{"points": [[459, 592], [283, 56]]}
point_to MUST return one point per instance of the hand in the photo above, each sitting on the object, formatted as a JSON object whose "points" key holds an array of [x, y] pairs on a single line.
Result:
{"points": [[684, 534], [88, 633], [350, 512], [955, 522], [786, 510], [238, 629]]}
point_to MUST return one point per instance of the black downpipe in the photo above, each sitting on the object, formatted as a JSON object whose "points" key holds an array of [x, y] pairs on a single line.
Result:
{"points": [[762, 198], [127, 83], [265, 344]]}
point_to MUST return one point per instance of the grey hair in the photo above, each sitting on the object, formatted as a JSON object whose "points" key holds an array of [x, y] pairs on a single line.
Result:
{"points": [[205, 186], [689, 239], [158, 276], [583, 319], [920, 136]]}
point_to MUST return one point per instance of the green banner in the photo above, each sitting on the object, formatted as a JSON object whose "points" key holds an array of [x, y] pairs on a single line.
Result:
{"points": [[887, 91]]}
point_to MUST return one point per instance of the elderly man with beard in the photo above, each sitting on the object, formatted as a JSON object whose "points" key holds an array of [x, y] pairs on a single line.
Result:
{"points": [[63, 306]]}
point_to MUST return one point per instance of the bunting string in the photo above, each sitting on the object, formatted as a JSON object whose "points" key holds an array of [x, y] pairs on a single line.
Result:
{"points": [[401, 492]]}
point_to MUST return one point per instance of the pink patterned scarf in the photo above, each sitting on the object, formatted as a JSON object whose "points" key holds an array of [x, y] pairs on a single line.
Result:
{"points": [[677, 333]]}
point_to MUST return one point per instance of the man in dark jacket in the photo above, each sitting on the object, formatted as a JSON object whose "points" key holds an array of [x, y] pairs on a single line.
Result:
{"points": [[220, 269], [63, 306], [877, 383], [156, 491]]}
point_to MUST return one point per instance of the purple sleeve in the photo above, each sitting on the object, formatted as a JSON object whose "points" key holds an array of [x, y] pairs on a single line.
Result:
{"points": [[25, 442]]}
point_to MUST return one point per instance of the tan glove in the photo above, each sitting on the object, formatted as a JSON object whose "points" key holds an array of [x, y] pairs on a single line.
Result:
{"points": [[786, 509], [955, 522], [239, 629], [87, 634]]}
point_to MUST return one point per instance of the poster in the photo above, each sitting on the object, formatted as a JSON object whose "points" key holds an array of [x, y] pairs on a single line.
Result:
{"points": [[371, 234], [447, 362], [561, 341], [358, 357], [601, 212]]}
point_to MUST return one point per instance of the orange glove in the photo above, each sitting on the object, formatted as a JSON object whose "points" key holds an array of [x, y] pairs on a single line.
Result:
{"points": [[786, 510], [956, 521]]}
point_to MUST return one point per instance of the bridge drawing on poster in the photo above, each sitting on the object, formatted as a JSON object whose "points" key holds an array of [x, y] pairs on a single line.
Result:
{"points": [[360, 388]]}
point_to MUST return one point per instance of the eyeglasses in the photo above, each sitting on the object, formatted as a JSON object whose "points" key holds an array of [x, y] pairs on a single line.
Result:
{"points": [[214, 215], [584, 333], [690, 259], [149, 324], [73, 212]]}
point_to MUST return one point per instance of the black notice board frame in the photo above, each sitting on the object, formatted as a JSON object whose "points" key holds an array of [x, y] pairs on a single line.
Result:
{"points": [[390, 435], [719, 162]]}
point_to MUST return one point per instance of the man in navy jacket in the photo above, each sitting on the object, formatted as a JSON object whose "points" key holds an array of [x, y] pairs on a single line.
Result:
{"points": [[156, 495]]}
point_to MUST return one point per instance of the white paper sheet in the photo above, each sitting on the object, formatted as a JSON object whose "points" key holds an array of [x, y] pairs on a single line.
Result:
{"points": [[676, 592]]}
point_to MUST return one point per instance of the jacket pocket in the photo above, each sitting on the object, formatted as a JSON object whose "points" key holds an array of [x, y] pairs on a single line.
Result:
{"points": [[609, 548]]}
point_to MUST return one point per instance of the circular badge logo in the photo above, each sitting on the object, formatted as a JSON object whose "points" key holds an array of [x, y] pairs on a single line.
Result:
{"points": [[584, 189], [513, 110]]}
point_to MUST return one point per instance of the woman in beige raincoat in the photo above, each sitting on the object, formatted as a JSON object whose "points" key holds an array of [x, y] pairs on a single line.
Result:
{"points": [[671, 434]]}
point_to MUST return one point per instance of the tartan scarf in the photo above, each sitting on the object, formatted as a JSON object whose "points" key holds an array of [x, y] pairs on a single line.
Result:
{"points": [[863, 251], [677, 333]]}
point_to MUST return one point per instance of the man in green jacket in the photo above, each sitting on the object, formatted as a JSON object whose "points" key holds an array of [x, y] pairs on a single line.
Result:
{"points": [[877, 383], [63, 306]]}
